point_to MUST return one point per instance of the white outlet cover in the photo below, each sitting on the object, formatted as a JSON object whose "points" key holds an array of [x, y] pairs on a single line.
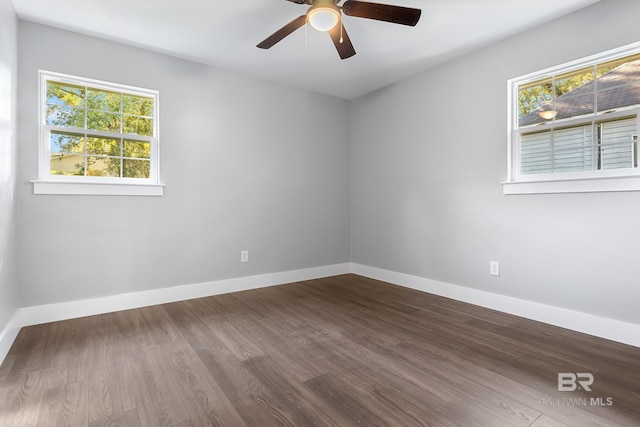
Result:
{"points": [[494, 268]]}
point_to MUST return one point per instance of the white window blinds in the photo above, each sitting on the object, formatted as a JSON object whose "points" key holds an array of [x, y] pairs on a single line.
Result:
{"points": [[588, 147]]}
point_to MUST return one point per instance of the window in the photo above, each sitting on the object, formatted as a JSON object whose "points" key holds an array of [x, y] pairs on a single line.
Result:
{"points": [[574, 128], [97, 138]]}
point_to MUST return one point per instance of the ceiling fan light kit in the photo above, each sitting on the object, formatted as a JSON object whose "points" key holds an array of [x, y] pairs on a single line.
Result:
{"points": [[323, 17], [326, 16]]}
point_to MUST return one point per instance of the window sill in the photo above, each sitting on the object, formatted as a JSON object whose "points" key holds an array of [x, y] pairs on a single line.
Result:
{"points": [[577, 185], [97, 188]]}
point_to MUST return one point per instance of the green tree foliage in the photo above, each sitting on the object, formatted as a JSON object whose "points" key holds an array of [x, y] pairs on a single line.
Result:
{"points": [[87, 109]]}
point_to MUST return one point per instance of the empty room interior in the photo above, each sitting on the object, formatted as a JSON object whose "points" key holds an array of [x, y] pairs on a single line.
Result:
{"points": [[215, 214]]}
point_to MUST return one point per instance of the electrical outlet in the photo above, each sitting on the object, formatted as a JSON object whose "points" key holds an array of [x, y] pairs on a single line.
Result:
{"points": [[494, 268], [244, 256]]}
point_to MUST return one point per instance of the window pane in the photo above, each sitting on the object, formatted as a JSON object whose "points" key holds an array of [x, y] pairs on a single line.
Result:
{"points": [[617, 156], [574, 160], [109, 122], [105, 146], [66, 164], [103, 100], [535, 153], [103, 166], [617, 97], [531, 98], [137, 105], [138, 125], [60, 142], [561, 150], [621, 71], [573, 105], [63, 116], [63, 94], [618, 140], [573, 149], [138, 149], [575, 82], [136, 168]]}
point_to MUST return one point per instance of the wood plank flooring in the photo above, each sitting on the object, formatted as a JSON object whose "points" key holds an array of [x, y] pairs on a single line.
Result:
{"points": [[340, 351]]}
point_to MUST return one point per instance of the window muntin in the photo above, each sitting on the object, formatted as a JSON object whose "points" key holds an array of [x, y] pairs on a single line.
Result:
{"points": [[577, 121], [94, 131]]}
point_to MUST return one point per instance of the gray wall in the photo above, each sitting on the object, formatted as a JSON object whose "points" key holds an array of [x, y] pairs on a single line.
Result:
{"points": [[247, 165], [427, 159], [252, 165], [9, 298]]}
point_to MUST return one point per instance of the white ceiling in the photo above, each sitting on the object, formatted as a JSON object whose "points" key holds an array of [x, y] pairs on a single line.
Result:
{"points": [[225, 33]]}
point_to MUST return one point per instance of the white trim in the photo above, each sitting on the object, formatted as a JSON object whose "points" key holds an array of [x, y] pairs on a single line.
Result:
{"points": [[611, 329], [97, 189], [567, 67], [100, 84], [582, 185], [9, 333], [73, 309], [615, 330]]}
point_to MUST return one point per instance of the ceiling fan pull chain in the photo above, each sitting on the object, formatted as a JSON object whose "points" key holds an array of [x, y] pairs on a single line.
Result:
{"points": [[341, 26], [306, 33]]}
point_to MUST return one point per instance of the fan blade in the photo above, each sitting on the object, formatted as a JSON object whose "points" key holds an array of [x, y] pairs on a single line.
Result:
{"points": [[382, 12], [344, 47], [283, 32]]}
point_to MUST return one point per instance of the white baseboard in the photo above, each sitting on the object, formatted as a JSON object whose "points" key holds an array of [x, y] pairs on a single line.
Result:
{"points": [[611, 329], [8, 334], [73, 309], [627, 333]]}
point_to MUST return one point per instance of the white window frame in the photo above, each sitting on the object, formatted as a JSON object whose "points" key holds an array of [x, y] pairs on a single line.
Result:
{"points": [[48, 183], [627, 179]]}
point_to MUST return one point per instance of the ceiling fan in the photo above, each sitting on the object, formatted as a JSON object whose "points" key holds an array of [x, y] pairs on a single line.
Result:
{"points": [[326, 16]]}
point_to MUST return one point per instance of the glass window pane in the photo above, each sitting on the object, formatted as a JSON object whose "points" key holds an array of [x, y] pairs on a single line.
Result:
{"points": [[617, 156], [533, 97], [618, 143], [109, 122], [60, 142], [535, 153], [63, 116], [574, 137], [138, 125], [138, 149], [103, 166], [136, 168], [66, 164], [621, 71], [572, 160], [105, 146], [137, 105], [620, 96], [103, 100], [575, 82], [572, 106], [573, 149], [63, 94]]}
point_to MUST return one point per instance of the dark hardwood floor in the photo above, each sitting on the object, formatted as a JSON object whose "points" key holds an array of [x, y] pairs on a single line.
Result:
{"points": [[341, 351]]}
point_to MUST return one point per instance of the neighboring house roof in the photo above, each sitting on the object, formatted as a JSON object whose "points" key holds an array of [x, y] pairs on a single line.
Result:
{"points": [[620, 87]]}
